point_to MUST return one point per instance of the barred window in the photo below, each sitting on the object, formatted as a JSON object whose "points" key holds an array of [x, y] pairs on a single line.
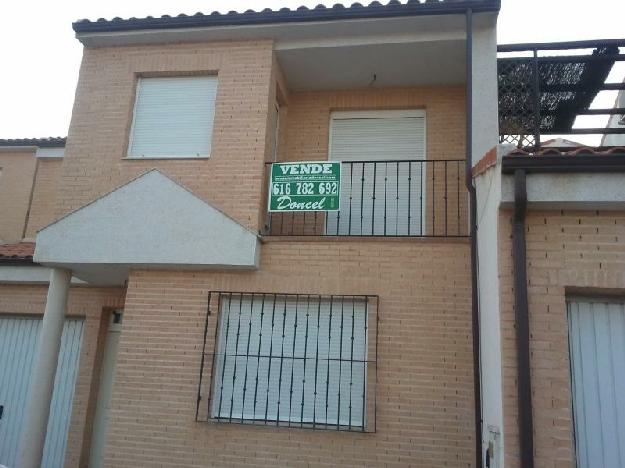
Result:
{"points": [[295, 360]]}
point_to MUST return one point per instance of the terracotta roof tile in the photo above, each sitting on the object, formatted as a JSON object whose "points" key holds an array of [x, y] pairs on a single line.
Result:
{"points": [[22, 251], [582, 151], [321, 12], [49, 142]]}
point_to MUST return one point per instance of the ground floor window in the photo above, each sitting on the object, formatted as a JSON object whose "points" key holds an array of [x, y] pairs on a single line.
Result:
{"points": [[295, 360]]}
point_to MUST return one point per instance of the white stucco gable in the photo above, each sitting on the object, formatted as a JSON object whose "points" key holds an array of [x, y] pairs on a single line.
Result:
{"points": [[150, 222]]}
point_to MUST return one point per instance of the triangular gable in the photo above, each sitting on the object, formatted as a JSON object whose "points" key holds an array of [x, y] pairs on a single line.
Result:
{"points": [[151, 221]]}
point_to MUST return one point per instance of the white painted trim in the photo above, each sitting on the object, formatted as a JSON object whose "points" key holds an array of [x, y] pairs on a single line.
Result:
{"points": [[134, 158], [376, 114], [21, 274], [50, 153], [134, 116], [407, 38]]}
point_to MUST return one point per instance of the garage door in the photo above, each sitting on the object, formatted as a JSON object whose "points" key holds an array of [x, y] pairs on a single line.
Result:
{"points": [[18, 340], [597, 350]]}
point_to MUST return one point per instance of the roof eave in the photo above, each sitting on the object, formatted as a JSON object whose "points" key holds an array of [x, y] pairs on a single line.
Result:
{"points": [[52, 142], [564, 163], [289, 16]]}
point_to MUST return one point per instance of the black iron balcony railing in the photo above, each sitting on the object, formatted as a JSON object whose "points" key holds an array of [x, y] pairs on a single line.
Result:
{"points": [[544, 88], [399, 198]]}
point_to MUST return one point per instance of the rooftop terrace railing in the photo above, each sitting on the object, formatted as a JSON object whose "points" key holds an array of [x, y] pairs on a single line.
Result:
{"points": [[387, 198], [542, 95]]}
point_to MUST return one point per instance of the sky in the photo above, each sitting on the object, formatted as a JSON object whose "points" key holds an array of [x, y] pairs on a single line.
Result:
{"points": [[41, 57]]}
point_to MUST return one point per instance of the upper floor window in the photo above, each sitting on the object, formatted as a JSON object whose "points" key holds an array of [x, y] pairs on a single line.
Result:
{"points": [[173, 117]]}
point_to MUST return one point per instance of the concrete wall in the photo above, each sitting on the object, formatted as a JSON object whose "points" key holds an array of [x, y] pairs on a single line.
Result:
{"points": [[488, 189], [308, 118], [424, 391], [89, 304], [568, 252], [17, 171]]}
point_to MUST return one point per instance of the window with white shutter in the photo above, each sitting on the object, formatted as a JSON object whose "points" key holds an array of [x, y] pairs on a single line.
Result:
{"points": [[296, 360], [173, 117], [383, 193]]}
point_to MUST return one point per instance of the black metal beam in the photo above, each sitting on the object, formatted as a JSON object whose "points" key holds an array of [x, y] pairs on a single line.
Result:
{"points": [[586, 131], [561, 163], [570, 87], [612, 111], [560, 88], [521, 308], [475, 311], [589, 44], [569, 58]]}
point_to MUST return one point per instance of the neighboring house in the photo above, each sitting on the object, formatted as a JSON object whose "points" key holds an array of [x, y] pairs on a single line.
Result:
{"points": [[192, 327], [29, 179]]}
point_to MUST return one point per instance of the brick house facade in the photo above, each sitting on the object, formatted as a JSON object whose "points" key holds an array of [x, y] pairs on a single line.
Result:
{"points": [[148, 251]]}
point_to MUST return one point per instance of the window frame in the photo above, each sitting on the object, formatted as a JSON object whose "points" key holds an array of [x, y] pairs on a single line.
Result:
{"points": [[211, 348], [131, 130]]}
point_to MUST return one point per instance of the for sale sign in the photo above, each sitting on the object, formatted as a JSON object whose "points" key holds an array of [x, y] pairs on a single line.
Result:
{"points": [[305, 186]]}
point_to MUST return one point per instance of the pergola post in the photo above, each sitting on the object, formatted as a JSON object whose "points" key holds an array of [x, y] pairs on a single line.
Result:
{"points": [[42, 382]]}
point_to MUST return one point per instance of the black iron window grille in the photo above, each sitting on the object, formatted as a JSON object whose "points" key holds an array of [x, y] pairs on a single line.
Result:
{"points": [[399, 198], [295, 360]]}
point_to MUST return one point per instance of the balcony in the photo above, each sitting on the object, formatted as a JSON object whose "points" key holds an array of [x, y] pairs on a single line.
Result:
{"points": [[386, 198]]}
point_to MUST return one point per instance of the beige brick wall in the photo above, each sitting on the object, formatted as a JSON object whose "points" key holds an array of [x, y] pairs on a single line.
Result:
{"points": [[98, 135], [424, 390], [567, 252], [17, 170], [83, 302], [45, 194], [308, 118]]}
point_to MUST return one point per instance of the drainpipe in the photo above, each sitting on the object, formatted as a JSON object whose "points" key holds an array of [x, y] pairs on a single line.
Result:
{"points": [[526, 423], [475, 314]]}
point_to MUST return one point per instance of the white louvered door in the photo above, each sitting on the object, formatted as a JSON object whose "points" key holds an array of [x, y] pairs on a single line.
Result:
{"points": [[18, 343], [388, 197], [597, 351]]}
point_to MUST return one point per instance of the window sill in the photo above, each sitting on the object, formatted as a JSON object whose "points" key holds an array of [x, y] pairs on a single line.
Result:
{"points": [[288, 425], [169, 158]]}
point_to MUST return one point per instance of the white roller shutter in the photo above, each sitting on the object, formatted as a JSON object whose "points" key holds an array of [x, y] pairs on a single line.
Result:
{"points": [[173, 117], [301, 354], [18, 343], [391, 199], [597, 351]]}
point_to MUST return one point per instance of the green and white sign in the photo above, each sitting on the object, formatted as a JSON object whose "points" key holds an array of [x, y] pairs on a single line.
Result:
{"points": [[305, 186]]}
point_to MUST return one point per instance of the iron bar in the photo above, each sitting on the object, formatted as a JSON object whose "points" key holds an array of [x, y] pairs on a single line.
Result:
{"points": [[386, 206], [341, 360]]}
